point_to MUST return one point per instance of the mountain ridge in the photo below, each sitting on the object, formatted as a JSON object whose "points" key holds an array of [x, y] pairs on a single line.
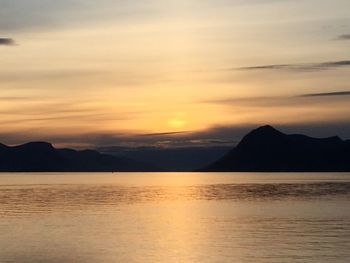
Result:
{"points": [[266, 149], [43, 157]]}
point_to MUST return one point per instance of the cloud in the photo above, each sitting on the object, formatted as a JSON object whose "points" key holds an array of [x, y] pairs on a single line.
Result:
{"points": [[343, 37], [242, 100], [24, 14], [32, 75], [4, 41], [163, 133], [307, 99], [300, 67], [245, 100], [327, 94], [42, 14], [82, 78], [14, 98]]}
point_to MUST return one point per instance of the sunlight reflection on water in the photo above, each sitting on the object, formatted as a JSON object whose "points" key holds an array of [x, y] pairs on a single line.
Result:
{"points": [[187, 217]]}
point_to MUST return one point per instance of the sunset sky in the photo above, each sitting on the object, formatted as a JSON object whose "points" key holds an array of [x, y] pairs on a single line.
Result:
{"points": [[87, 73]]}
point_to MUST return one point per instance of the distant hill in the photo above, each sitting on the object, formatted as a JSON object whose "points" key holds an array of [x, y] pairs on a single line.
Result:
{"points": [[171, 159], [266, 149], [43, 157]]}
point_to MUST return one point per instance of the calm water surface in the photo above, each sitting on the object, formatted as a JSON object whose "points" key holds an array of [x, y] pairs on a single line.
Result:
{"points": [[175, 217]]}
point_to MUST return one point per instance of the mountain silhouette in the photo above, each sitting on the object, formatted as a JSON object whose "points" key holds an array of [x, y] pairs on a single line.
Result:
{"points": [[43, 157], [172, 159], [266, 149]]}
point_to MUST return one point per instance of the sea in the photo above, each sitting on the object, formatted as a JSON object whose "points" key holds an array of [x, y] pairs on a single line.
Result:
{"points": [[175, 217]]}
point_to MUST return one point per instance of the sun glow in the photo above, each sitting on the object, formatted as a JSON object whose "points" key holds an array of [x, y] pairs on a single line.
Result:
{"points": [[177, 122]]}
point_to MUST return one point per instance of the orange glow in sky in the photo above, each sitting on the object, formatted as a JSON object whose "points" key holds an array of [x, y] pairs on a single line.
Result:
{"points": [[111, 67]]}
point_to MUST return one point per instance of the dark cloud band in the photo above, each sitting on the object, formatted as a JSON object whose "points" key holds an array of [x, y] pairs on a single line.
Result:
{"points": [[327, 94], [301, 66], [344, 37], [6, 41], [163, 133]]}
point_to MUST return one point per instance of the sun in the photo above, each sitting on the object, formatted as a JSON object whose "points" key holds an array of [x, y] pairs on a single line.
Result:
{"points": [[177, 122]]}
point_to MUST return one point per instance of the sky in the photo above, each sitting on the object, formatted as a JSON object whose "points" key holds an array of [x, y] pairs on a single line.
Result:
{"points": [[86, 73]]}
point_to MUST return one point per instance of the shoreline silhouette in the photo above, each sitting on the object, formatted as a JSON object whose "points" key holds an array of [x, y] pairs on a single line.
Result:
{"points": [[264, 149]]}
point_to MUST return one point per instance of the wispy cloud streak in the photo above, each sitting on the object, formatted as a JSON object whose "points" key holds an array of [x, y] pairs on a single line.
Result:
{"points": [[286, 101], [300, 66], [327, 94], [163, 133], [344, 37], [4, 41]]}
